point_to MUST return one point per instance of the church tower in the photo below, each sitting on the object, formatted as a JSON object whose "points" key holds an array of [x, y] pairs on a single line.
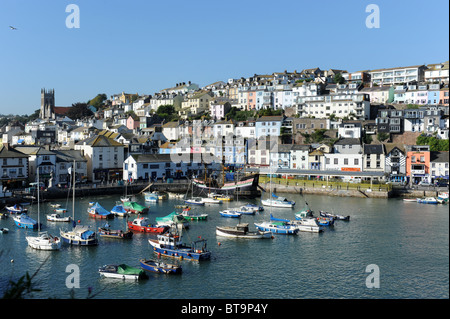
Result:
{"points": [[47, 104]]}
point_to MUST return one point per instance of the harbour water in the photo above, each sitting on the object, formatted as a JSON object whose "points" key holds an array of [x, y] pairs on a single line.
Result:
{"points": [[407, 241]]}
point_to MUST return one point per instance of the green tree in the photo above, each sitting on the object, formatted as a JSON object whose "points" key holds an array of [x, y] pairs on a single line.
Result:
{"points": [[78, 111], [338, 78], [97, 101]]}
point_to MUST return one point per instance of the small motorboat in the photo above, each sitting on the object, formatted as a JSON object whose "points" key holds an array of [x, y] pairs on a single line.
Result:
{"points": [[188, 215], [60, 210], [151, 197], [4, 230], [230, 213], [244, 210], [55, 205], [135, 208], [277, 227], [79, 236], [44, 241], [16, 209], [25, 221], [122, 271], [410, 200], [254, 207], [281, 202], [58, 218], [427, 200], [107, 232], [97, 211], [208, 200], [160, 267], [335, 216], [173, 219]]}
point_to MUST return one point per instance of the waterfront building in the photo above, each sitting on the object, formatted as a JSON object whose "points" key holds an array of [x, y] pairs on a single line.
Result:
{"points": [[374, 158], [104, 158], [299, 155], [280, 156], [347, 156], [439, 162], [418, 163], [259, 151], [395, 162], [39, 158], [64, 162], [13, 167]]}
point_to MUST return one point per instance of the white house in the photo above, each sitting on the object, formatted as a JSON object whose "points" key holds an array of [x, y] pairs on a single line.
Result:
{"points": [[104, 158], [13, 166], [41, 158], [299, 156]]}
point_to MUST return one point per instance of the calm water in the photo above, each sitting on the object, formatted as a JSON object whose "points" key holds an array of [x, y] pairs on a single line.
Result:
{"points": [[409, 242]]}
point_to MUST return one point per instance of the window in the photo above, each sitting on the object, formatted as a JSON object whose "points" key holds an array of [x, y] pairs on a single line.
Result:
{"points": [[345, 161], [356, 161], [335, 161]]}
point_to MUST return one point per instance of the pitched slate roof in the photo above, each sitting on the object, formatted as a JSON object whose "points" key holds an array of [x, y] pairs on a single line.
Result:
{"points": [[373, 149], [99, 141], [7, 152]]}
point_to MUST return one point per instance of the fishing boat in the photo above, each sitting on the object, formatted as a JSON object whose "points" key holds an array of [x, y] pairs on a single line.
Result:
{"points": [[189, 215], [16, 209], [122, 271], [160, 267], [25, 221], [58, 218], [118, 210], [79, 235], [142, 224], [241, 231], [4, 230], [427, 200], [335, 216], [107, 232], [97, 211], [135, 208], [150, 197], [230, 213], [173, 219], [277, 227], [277, 201], [171, 245], [195, 201]]}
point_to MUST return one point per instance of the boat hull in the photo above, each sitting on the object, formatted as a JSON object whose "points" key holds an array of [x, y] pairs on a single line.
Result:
{"points": [[247, 187], [153, 266], [231, 232], [282, 230], [277, 204], [79, 242], [180, 253]]}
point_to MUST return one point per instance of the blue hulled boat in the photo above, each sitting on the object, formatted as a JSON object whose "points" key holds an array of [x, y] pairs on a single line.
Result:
{"points": [[25, 221], [79, 236], [171, 245], [277, 226]]}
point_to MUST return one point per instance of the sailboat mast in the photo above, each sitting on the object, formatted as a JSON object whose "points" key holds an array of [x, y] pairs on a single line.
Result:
{"points": [[73, 192], [38, 185]]}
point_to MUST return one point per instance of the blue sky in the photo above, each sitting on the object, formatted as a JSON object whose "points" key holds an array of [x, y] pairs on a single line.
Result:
{"points": [[143, 46]]}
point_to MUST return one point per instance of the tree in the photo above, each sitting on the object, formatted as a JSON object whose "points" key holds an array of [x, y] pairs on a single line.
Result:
{"points": [[435, 143], [78, 111], [97, 101], [381, 136], [338, 78], [167, 112]]}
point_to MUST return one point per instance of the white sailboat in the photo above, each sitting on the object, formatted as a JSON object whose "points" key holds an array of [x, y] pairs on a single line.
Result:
{"points": [[44, 240], [78, 235]]}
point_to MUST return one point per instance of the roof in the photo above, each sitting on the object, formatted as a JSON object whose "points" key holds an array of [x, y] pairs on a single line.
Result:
{"points": [[34, 150], [441, 157], [99, 141], [270, 118], [301, 147], [348, 141], [7, 152], [373, 149], [61, 110]]}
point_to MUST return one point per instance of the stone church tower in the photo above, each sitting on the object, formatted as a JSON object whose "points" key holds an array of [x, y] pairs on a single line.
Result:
{"points": [[47, 104]]}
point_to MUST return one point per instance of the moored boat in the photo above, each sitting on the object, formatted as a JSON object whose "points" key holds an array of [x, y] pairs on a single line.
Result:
{"points": [[118, 210], [160, 267], [142, 224], [79, 236], [278, 201], [189, 215], [122, 271], [4, 230], [150, 197], [230, 213], [277, 228], [306, 224], [44, 241], [25, 221], [410, 200], [427, 200], [173, 219], [171, 245], [195, 201], [254, 207], [244, 210], [335, 216], [16, 209], [241, 231], [58, 218], [208, 200], [135, 208], [97, 211], [107, 232]]}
